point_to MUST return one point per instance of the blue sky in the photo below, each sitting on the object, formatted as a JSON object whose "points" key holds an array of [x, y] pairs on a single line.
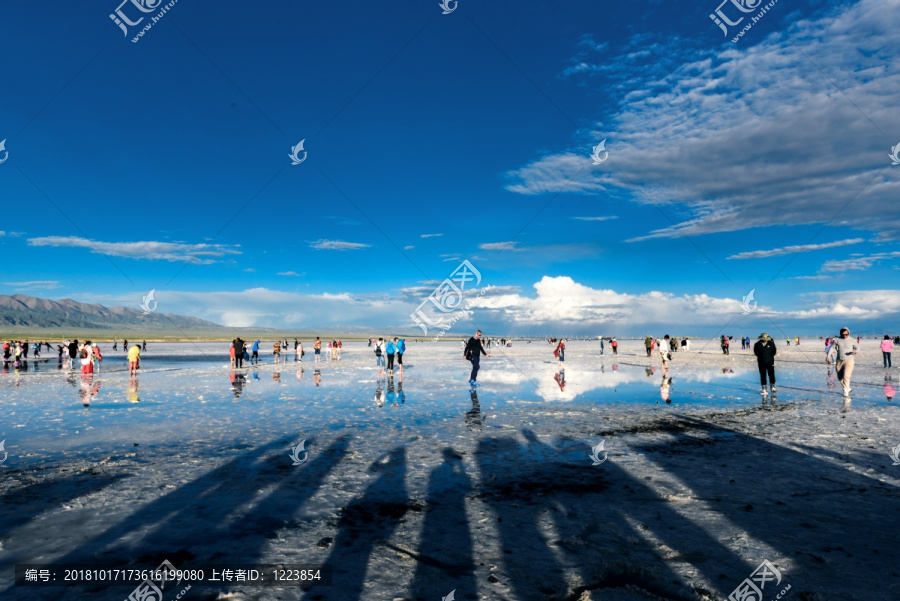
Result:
{"points": [[163, 164]]}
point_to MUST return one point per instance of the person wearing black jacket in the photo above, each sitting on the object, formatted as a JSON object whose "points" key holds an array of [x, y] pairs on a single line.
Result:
{"points": [[473, 351], [765, 352]]}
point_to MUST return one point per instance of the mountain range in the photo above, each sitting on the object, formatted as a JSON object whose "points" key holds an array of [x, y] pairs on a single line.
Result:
{"points": [[19, 310]]}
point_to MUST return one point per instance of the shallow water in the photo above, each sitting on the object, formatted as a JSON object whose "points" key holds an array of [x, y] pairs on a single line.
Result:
{"points": [[187, 393]]}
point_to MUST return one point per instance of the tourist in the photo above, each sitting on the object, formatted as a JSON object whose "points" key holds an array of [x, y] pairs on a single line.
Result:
{"points": [[390, 350], [134, 360], [379, 355], [886, 347], [560, 354], [765, 352], [400, 345], [843, 352], [472, 352], [317, 349]]}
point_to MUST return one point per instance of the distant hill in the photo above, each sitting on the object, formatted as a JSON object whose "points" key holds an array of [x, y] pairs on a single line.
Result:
{"points": [[19, 310]]}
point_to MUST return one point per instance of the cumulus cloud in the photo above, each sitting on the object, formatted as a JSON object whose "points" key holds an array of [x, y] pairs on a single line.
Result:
{"points": [[200, 254], [337, 245], [556, 304], [757, 135], [799, 248]]}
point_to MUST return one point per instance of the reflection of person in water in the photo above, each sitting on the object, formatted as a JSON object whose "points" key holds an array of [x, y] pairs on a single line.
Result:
{"points": [[379, 393], [560, 379], [237, 384], [88, 389], [664, 387], [276, 376], [133, 390], [475, 418], [650, 371], [299, 374], [317, 377], [401, 396], [889, 390], [391, 395]]}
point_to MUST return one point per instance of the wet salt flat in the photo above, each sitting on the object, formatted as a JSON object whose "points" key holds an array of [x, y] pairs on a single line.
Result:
{"points": [[187, 390], [412, 489]]}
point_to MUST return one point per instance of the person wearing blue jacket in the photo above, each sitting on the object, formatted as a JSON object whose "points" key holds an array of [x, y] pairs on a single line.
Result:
{"points": [[400, 344], [390, 349]]}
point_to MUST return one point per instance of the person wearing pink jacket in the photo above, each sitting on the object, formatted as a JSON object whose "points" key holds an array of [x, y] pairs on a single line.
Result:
{"points": [[887, 346]]}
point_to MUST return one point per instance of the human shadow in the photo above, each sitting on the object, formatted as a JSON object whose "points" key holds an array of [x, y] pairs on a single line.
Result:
{"points": [[191, 523], [364, 523], [445, 554]]}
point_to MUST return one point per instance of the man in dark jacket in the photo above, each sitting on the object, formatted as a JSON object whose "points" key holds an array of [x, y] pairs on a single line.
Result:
{"points": [[473, 351], [765, 351]]}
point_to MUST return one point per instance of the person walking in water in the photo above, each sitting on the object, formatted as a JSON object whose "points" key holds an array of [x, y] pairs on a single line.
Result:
{"points": [[886, 347], [560, 354], [317, 350], [615, 346], [254, 352], [765, 352], [472, 352], [648, 345], [843, 352]]}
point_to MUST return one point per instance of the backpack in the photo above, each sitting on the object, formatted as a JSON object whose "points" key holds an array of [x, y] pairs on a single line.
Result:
{"points": [[402, 348], [377, 350]]}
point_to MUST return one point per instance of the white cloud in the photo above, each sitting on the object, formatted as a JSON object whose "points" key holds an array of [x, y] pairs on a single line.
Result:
{"points": [[408, 247], [163, 251], [556, 304], [859, 263], [799, 248], [291, 274], [511, 245], [43, 284], [757, 135], [431, 235], [605, 218], [337, 245]]}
